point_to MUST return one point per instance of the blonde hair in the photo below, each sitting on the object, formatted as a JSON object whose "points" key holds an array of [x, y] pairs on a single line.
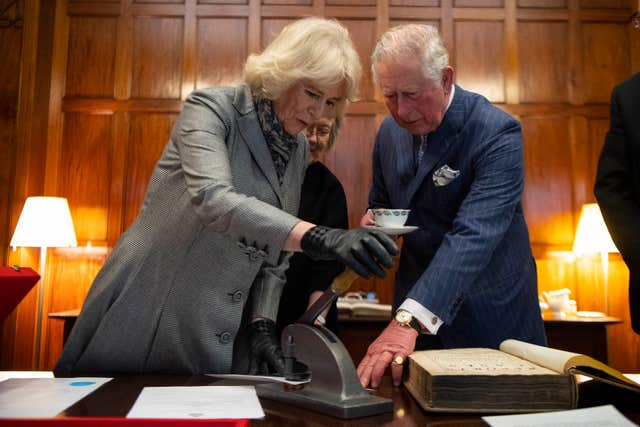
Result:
{"points": [[413, 40], [314, 49]]}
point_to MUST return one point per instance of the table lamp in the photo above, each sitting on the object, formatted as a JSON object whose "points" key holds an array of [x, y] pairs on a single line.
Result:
{"points": [[45, 222], [592, 236]]}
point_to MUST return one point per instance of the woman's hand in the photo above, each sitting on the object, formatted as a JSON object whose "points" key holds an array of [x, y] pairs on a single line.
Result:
{"points": [[366, 251], [265, 354]]}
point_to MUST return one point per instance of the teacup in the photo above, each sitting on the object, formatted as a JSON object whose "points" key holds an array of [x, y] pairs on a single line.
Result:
{"points": [[558, 300], [390, 217]]}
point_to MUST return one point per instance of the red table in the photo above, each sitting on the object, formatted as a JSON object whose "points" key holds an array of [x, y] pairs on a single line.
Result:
{"points": [[14, 285]]}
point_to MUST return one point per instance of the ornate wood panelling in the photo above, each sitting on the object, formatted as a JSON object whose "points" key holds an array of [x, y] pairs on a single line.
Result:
{"points": [[543, 3], [547, 200], [544, 68], [221, 51], [10, 41], [270, 30], [86, 176], [157, 57], [363, 33], [606, 58], [119, 70], [478, 3], [350, 160], [91, 59], [480, 58]]}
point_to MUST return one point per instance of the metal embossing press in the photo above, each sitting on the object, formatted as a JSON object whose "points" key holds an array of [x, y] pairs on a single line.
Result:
{"points": [[334, 388]]}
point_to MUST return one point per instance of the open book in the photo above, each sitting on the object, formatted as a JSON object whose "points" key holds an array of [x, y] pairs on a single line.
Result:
{"points": [[518, 377]]}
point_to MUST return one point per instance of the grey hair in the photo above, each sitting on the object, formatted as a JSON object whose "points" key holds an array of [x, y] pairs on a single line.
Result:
{"points": [[413, 40], [314, 49]]}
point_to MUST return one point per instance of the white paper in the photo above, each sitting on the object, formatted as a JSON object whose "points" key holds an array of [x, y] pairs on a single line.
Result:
{"points": [[197, 402], [598, 416], [261, 378], [43, 397], [5, 375]]}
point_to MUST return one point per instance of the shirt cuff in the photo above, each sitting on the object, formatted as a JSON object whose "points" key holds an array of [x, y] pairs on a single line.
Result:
{"points": [[429, 321]]}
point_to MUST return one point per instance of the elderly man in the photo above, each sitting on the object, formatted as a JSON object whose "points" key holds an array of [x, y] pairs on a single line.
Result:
{"points": [[467, 277]]}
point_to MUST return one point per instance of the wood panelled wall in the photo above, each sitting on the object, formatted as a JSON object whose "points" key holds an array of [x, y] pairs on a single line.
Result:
{"points": [[102, 82]]}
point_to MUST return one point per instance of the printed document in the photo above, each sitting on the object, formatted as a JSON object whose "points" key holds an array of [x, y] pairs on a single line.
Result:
{"points": [[43, 397], [598, 416], [197, 402]]}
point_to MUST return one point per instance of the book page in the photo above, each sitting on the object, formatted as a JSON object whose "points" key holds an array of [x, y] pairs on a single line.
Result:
{"points": [[566, 362], [475, 361], [550, 358]]}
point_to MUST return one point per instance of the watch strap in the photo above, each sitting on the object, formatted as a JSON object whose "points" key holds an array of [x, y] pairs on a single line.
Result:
{"points": [[413, 323]]}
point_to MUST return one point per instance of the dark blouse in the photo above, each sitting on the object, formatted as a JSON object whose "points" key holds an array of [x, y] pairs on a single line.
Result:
{"points": [[323, 202]]}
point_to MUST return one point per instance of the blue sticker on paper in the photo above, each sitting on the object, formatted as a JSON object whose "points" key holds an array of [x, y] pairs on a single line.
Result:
{"points": [[81, 383]]}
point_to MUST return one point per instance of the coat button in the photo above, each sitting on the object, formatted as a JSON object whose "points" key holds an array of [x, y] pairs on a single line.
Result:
{"points": [[237, 296], [225, 337]]}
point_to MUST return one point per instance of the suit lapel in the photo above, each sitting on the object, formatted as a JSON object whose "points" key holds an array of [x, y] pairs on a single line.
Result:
{"points": [[439, 141], [253, 137], [292, 178]]}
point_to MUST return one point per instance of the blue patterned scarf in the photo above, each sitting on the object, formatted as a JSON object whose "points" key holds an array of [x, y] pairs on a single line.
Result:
{"points": [[280, 143]]}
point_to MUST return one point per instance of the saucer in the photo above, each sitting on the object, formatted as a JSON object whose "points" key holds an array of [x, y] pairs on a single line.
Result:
{"points": [[591, 314], [403, 229]]}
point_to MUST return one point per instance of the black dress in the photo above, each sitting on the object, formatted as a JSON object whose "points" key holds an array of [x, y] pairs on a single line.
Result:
{"points": [[323, 202]]}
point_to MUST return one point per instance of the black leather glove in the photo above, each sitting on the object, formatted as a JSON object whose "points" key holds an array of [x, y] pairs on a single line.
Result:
{"points": [[363, 250], [265, 352]]}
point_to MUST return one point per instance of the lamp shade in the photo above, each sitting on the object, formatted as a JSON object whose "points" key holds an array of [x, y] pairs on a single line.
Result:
{"points": [[45, 222], [592, 235]]}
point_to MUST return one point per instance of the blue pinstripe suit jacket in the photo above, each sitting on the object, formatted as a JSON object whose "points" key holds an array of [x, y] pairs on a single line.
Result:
{"points": [[470, 261]]}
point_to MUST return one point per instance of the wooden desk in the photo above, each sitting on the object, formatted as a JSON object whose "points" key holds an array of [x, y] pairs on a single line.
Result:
{"points": [[69, 317], [115, 398], [576, 334], [586, 336], [582, 335]]}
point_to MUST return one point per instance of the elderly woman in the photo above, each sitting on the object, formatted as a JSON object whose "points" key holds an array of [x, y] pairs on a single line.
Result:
{"points": [[193, 285], [322, 202]]}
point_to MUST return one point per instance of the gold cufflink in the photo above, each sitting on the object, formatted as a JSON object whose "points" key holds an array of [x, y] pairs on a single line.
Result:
{"points": [[399, 360]]}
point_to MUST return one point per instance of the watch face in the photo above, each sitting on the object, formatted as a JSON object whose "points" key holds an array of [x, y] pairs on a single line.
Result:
{"points": [[403, 317]]}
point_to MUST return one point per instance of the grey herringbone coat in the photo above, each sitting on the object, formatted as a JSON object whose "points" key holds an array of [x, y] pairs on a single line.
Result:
{"points": [[208, 240]]}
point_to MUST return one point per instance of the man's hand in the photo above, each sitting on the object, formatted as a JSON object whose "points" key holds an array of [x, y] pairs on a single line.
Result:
{"points": [[266, 354], [392, 347], [367, 219], [364, 250]]}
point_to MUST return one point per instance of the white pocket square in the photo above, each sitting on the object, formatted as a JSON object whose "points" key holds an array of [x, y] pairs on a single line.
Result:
{"points": [[444, 176]]}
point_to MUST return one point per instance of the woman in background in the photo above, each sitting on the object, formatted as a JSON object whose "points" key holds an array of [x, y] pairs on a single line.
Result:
{"points": [[193, 285], [322, 202]]}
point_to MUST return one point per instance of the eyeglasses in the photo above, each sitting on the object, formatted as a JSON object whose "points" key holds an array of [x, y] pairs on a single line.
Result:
{"points": [[320, 131]]}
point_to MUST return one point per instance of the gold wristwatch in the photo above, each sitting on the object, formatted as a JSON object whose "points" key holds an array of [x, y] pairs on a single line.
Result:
{"points": [[405, 318]]}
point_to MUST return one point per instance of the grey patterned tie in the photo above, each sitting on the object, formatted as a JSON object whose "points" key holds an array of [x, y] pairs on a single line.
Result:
{"points": [[421, 149]]}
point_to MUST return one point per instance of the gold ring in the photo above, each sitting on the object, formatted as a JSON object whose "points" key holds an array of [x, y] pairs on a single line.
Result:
{"points": [[399, 360]]}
